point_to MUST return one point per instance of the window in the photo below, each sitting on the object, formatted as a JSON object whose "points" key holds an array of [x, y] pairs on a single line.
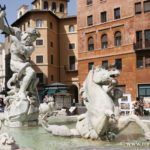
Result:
{"points": [[52, 77], [105, 64], [104, 42], [40, 77], [52, 60], [71, 28], [137, 8], [72, 61], [51, 25], [39, 59], [147, 38], [139, 39], [51, 43], [118, 63], [45, 6], [103, 16], [90, 65], [147, 6], [28, 23], [72, 46], [117, 13], [53, 6], [90, 44], [20, 13], [144, 90], [139, 62], [39, 23], [90, 20], [117, 39], [39, 42], [62, 7], [147, 61], [89, 2]]}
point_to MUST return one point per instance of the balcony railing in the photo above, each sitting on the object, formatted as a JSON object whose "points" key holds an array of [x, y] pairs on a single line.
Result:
{"points": [[140, 46], [70, 68], [147, 44]]}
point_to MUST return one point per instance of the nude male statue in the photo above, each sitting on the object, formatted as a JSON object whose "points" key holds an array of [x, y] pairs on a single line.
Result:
{"points": [[21, 49]]}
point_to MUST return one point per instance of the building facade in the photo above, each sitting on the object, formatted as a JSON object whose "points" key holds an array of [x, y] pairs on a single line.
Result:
{"points": [[56, 54], [116, 32]]}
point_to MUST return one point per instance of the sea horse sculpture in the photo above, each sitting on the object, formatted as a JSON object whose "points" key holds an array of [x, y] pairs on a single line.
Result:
{"points": [[100, 120]]}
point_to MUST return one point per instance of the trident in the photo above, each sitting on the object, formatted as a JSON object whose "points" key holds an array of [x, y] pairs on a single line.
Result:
{"points": [[3, 8]]}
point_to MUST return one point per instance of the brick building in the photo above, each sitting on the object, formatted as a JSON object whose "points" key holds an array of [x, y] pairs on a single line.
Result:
{"points": [[116, 32], [55, 56]]}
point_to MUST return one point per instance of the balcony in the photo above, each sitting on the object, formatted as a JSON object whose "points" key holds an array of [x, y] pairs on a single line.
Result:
{"points": [[147, 44], [139, 46], [70, 69]]}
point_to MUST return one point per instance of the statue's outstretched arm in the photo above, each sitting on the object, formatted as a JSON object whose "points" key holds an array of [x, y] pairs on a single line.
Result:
{"points": [[6, 29]]}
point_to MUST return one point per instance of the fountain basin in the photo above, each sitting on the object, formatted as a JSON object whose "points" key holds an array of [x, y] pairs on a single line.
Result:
{"points": [[37, 138]]}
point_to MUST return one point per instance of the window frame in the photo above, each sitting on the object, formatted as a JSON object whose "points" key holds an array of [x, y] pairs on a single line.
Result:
{"points": [[42, 59], [39, 23], [103, 20], [90, 65], [115, 13], [145, 11], [52, 59], [139, 61], [104, 44], [71, 28], [147, 86], [117, 38], [70, 46], [89, 2], [118, 63], [39, 44], [147, 38], [72, 67], [62, 8], [45, 5], [105, 64], [90, 20], [90, 44], [54, 7], [135, 8]]}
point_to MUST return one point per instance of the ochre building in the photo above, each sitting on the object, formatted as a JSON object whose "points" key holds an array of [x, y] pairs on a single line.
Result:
{"points": [[56, 54], [116, 32]]}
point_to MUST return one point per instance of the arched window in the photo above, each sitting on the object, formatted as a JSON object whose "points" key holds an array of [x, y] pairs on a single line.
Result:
{"points": [[46, 5], [118, 38], [90, 43], [62, 8], [53, 6], [71, 28], [104, 42]]}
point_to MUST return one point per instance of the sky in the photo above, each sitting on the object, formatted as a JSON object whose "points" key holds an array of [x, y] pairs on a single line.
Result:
{"points": [[13, 5]]}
